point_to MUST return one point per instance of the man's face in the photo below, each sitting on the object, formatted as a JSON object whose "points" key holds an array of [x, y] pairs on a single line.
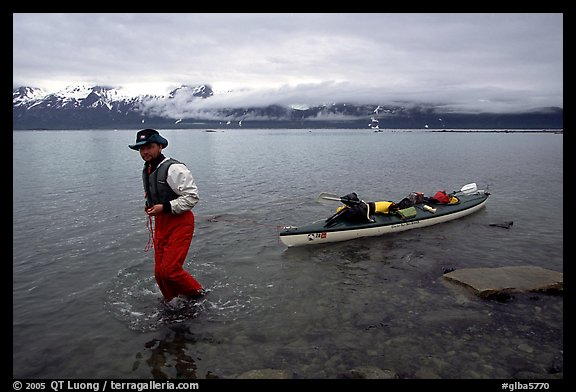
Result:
{"points": [[149, 151]]}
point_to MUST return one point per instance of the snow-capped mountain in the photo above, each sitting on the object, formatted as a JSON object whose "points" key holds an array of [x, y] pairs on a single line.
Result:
{"points": [[82, 107], [202, 91], [23, 95], [70, 97]]}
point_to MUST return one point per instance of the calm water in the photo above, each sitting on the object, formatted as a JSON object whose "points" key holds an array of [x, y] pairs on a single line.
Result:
{"points": [[85, 303]]}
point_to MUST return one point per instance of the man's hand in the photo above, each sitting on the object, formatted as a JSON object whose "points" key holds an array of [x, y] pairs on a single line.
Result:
{"points": [[156, 209]]}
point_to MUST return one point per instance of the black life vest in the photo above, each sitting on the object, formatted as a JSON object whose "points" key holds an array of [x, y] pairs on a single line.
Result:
{"points": [[156, 187]]}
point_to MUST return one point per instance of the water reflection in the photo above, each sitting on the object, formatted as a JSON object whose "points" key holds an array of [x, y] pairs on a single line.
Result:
{"points": [[170, 357]]}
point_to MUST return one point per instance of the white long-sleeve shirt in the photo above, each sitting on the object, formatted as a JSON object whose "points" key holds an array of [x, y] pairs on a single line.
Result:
{"points": [[182, 183]]}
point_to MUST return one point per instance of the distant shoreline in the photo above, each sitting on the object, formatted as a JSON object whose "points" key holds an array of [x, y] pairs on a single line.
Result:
{"points": [[383, 130], [501, 130]]}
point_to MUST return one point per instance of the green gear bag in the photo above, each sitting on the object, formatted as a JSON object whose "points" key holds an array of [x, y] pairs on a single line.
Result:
{"points": [[406, 213]]}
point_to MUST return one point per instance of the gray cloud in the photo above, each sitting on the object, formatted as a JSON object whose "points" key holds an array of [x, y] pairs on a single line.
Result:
{"points": [[487, 62]]}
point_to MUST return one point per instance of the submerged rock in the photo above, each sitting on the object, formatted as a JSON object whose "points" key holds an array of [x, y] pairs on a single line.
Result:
{"points": [[488, 282], [266, 374], [505, 225], [369, 372]]}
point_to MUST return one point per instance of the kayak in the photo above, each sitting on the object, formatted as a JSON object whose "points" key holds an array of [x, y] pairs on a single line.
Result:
{"points": [[469, 200]]}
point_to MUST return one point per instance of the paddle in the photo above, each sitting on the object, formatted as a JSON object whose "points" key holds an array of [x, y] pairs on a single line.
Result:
{"points": [[347, 200], [467, 189], [328, 196], [331, 197], [332, 219]]}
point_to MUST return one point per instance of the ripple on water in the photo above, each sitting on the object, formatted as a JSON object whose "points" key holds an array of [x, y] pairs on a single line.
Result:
{"points": [[137, 301]]}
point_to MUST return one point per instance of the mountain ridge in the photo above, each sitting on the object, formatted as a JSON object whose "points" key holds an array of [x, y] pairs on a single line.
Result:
{"points": [[104, 107]]}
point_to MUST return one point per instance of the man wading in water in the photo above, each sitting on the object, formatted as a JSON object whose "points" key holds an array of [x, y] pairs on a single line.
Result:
{"points": [[170, 193]]}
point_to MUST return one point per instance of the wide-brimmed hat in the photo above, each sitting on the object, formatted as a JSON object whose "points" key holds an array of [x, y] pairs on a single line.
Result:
{"points": [[148, 136]]}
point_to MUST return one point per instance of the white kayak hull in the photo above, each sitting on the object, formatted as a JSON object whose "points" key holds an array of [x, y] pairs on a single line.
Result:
{"points": [[317, 234]]}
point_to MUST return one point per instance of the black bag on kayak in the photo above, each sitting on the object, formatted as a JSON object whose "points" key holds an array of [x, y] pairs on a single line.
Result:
{"points": [[354, 210], [404, 203], [350, 199], [358, 213], [409, 201]]}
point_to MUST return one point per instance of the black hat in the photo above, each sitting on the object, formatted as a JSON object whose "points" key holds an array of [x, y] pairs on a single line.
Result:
{"points": [[148, 136]]}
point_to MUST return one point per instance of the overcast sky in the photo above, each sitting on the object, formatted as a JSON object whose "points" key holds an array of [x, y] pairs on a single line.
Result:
{"points": [[479, 62]]}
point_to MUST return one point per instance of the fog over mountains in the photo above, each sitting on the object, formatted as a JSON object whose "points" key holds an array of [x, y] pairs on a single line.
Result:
{"points": [[100, 107]]}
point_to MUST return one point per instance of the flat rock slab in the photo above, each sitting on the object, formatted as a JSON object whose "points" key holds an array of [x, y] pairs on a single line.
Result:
{"points": [[489, 281]]}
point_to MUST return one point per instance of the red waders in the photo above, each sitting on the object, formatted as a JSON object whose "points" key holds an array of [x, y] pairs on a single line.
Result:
{"points": [[172, 238]]}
